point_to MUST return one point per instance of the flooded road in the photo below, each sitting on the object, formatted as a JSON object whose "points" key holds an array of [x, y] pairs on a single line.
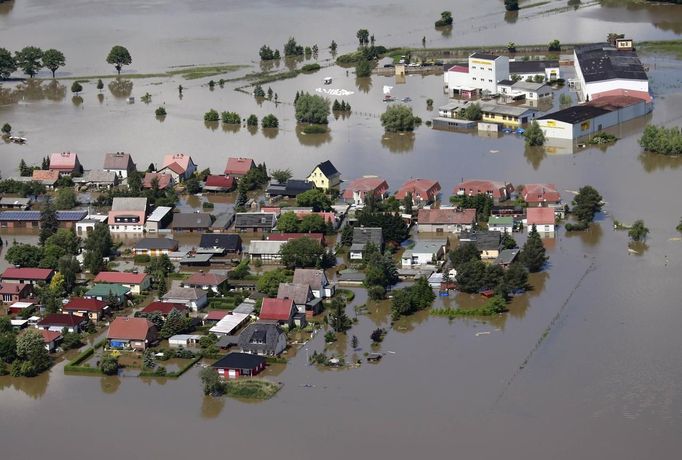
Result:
{"points": [[586, 365]]}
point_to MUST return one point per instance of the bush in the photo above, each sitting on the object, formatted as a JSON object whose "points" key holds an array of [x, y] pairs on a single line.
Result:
{"points": [[270, 121], [314, 129], [212, 115], [252, 121], [378, 335], [665, 141], [397, 118], [376, 292], [207, 205], [231, 118], [330, 337], [142, 259], [311, 108], [603, 138], [445, 19], [160, 112], [310, 68], [109, 365]]}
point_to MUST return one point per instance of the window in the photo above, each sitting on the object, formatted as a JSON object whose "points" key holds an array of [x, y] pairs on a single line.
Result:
{"points": [[490, 81]]}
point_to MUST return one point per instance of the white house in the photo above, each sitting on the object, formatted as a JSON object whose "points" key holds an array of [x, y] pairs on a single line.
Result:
{"points": [[127, 215], [542, 218], [317, 280], [195, 299], [481, 74], [424, 252]]}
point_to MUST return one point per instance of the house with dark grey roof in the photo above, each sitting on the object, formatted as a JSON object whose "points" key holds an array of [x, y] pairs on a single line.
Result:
{"points": [[15, 203], [255, 221], [119, 163], [362, 236], [156, 246], [317, 280], [192, 222], [220, 243], [235, 365], [325, 176], [488, 242], [264, 338], [298, 292], [194, 298], [290, 189], [97, 178], [223, 221]]}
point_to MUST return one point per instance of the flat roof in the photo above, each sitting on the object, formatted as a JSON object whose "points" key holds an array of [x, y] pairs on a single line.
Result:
{"points": [[602, 61], [229, 323], [159, 213], [513, 110], [575, 114]]}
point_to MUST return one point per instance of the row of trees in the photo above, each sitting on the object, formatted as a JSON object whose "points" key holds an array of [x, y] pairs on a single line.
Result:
{"points": [[662, 140], [22, 354], [30, 60], [291, 49]]}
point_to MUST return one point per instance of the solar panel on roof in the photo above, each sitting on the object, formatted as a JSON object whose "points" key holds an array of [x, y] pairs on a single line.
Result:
{"points": [[20, 215]]}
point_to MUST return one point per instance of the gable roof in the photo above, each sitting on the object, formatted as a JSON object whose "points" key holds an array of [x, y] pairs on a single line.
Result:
{"points": [[540, 193], [540, 216], [237, 360], [224, 182], [157, 243], [129, 204], [313, 277], [120, 277], [192, 220], [61, 319], [97, 176], [367, 184], [327, 168], [47, 177], [447, 216], [531, 66], [205, 279], [239, 166], [164, 308], [422, 187], [255, 220], [64, 161], [181, 159], [13, 288], [292, 187], [184, 293], [81, 304], [259, 247], [319, 237], [50, 336], [128, 328], [27, 216], [216, 315], [118, 161], [164, 180], [364, 235], [260, 337], [23, 273], [477, 186], [277, 309], [299, 293], [105, 290], [227, 241]]}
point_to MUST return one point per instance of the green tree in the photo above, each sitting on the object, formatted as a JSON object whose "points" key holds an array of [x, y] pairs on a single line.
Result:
{"points": [[445, 19], [281, 175], [266, 53], [554, 45], [314, 198], [8, 65], [412, 299], [398, 118], [109, 365], [347, 235], [231, 118], [65, 199], [252, 121], [332, 47], [408, 203], [98, 245], [160, 112], [118, 57], [291, 48], [48, 222], [7, 130], [363, 68], [8, 343], [338, 320], [69, 267], [380, 269], [30, 348], [472, 112], [393, 226], [534, 135], [362, 36], [312, 223], [100, 85], [586, 204], [258, 91], [638, 231], [29, 59], [66, 239], [311, 108], [508, 241], [212, 383], [192, 185], [302, 253], [270, 121], [516, 276], [511, 5], [159, 267], [268, 283], [71, 340], [24, 255], [176, 323], [288, 222], [53, 59], [471, 276], [533, 253], [212, 116]]}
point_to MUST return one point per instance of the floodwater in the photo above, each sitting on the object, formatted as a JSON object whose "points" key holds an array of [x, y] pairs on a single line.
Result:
{"points": [[586, 365]]}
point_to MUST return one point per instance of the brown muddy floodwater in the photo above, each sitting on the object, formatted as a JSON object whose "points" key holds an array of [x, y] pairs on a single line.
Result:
{"points": [[603, 383]]}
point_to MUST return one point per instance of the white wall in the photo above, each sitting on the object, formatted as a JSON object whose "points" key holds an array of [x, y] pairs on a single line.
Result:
{"points": [[589, 89]]}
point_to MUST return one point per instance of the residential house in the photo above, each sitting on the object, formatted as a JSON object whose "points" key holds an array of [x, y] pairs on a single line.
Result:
{"points": [[18, 308], [178, 165], [498, 191], [543, 219], [159, 219], [317, 280], [136, 282], [486, 241], [155, 247], [299, 293], [359, 189], [507, 257], [191, 222], [290, 189], [184, 340], [14, 292], [206, 281], [445, 220], [255, 222], [281, 310], [31, 219], [119, 163], [127, 215], [501, 224], [223, 221], [266, 251], [235, 365], [362, 236], [51, 339], [523, 90], [264, 338], [194, 259], [92, 309], [542, 196], [97, 178], [25, 275], [162, 180], [15, 203], [212, 317], [164, 308], [65, 163], [325, 176], [195, 299], [87, 224], [238, 167], [112, 294], [48, 178], [59, 321], [220, 243], [423, 191], [131, 333], [547, 69], [215, 183], [424, 252]]}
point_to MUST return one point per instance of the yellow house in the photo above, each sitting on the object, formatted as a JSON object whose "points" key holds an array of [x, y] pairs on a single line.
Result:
{"points": [[325, 176], [507, 114]]}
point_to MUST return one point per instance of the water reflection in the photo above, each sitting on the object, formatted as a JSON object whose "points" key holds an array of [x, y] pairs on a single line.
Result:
{"points": [[312, 140], [637, 248], [270, 133], [121, 88], [534, 156], [267, 66], [77, 100], [252, 130], [398, 142], [510, 17], [211, 407], [653, 162], [292, 62], [231, 128], [34, 387], [364, 84], [110, 385], [446, 32], [574, 3], [6, 7], [590, 237], [212, 125], [55, 91]]}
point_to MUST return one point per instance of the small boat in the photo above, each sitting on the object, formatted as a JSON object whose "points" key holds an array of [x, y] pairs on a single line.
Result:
{"points": [[388, 98], [17, 139], [327, 80], [407, 99]]}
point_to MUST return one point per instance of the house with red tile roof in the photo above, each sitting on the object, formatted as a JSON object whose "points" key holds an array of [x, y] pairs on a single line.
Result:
{"points": [[327, 216], [215, 183], [446, 220], [212, 317], [179, 165], [90, 308], [25, 275], [11, 292], [65, 163], [131, 333], [51, 339], [498, 191], [48, 178], [137, 282], [422, 190], [163, 180], [239, 166], [359, 189], [206, 281], [59, 321], [280, 310], [164, 308], [542, 196], [543, 219]]}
